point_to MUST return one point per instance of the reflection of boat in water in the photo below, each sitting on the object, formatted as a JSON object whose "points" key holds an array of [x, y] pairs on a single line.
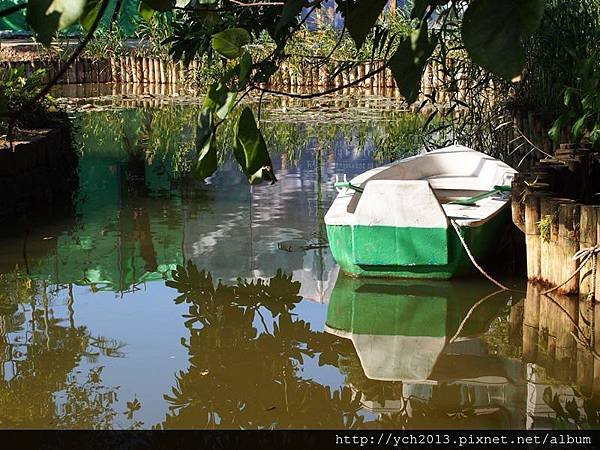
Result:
{"points": [[424, 335]]}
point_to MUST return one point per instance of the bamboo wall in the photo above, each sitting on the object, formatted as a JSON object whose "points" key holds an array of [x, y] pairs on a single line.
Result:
{"points": [[290, 77], [552, 205]]}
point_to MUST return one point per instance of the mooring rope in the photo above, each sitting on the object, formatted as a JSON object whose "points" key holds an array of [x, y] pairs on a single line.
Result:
{"points": [[470, 313], [472, 258]]}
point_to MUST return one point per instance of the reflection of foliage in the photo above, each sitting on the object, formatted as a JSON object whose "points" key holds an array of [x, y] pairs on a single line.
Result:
{"points": [[88, 404], [14, 286], [570, 415], [43, 388], [245, 376], [164, 134]]}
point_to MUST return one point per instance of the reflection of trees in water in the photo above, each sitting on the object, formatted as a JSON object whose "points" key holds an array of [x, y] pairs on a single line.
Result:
{"points": [[246, 351], [40, 385], [246, 347]]}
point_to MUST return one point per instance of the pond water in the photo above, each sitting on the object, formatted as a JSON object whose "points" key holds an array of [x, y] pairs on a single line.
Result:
{"points": [[166, 302]]}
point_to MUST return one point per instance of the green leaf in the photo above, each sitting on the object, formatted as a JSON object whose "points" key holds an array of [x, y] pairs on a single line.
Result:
{"points": [[408, 62], [250, 149], [289, 12], [90, 12], [230, 43], [579, 126], [595, 135], [360, 17], [219, 100], [245, 66], [160, 5], [145, 12], [205, 145], [493, 32], [46, 17]]}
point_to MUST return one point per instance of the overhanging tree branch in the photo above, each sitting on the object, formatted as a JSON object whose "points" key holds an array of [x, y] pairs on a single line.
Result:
{"points": [[325, 92], [71, 59]]}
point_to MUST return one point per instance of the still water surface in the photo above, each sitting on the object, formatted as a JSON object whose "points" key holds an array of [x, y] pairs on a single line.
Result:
{"points": [[164, 302]]}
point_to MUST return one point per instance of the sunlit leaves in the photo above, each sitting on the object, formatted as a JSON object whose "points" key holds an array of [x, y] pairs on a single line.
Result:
{"points": [[360, 17], [230, 43], [205, 145], [244, 69], [409, 60], [46, 17], [250, 149], [493, 32], [145, 11], [90, 13]]}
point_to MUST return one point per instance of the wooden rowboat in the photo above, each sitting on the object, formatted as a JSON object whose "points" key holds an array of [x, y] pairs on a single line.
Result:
{"points": [[403, 219]]}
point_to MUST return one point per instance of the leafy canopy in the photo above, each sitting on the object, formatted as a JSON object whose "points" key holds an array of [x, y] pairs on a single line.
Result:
{"points": [[492, 33]]}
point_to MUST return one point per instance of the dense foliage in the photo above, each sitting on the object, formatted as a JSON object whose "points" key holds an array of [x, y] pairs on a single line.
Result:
{"points": [[492, 34]]}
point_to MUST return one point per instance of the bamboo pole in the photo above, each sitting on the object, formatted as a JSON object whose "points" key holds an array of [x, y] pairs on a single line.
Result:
{"points": [[122, 70], [547, 213], [156, 65], [145, 75], [567, 246], [532, 236], [138, 69], [163, 73], [113, 70]]}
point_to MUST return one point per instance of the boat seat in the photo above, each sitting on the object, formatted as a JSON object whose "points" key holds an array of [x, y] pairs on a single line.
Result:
{"points": [[450, 195], [458, 183], [476, 214]]}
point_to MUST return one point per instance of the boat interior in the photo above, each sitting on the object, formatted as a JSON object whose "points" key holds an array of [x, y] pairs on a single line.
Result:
{"points": [[455, 174]]}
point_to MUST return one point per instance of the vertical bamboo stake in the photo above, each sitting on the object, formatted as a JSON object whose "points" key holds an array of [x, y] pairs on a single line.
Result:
{"points": [[156, 65], [122, 70], [138, 69], [368, 81], [126, 69], [361, 73], [568, 245], [114, 76], [547, 243], [173, 72], [144, 78], [181, 72], [163, 73], [532, 237]]}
